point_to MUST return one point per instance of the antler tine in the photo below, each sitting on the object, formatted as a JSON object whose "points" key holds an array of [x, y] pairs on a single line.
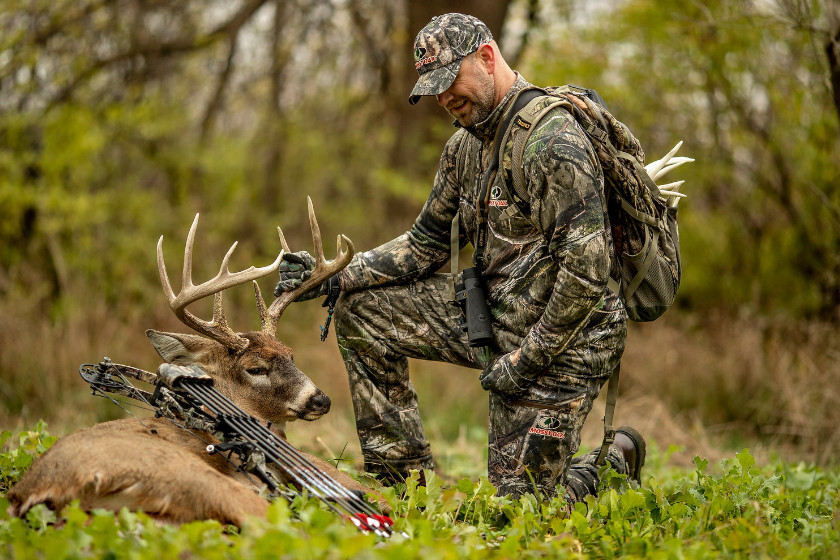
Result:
{"points": [[316, 234], [218, 328], [673, 164], [164, 277], [654, 167], [186, 274], [261, 308], [323, 270], [283, 243]]}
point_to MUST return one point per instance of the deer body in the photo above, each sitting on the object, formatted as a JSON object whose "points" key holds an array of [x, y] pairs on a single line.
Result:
{"points": [[124, 464], [161, 468]]}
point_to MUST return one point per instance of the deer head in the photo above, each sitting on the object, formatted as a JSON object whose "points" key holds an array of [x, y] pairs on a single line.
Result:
{"points": [[254, 369]]}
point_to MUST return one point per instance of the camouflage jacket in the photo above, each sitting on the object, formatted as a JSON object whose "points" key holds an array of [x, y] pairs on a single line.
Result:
{"points": [[542, 285]]}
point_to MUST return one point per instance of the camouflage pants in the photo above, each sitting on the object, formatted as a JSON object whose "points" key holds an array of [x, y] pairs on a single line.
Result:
{"points": [[532, 438]]}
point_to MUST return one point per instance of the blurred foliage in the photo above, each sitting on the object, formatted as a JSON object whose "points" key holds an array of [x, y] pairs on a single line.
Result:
{"points": [[105, 141], [15, 460], [120, 120], [746, 87]]}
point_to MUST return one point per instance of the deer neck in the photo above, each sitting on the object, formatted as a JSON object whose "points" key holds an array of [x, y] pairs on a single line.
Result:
{"points": [[278, 428]]}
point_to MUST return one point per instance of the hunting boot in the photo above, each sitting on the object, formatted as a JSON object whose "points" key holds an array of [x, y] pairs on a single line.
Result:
{"points": [[632, 445]]}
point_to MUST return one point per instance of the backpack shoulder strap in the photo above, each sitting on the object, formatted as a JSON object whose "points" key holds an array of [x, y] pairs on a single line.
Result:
{"points": [[526, 119], [502, 133], [530, 115]]}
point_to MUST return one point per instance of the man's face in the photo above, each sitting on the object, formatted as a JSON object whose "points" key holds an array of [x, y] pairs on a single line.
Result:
{"points": [[471, 97]]}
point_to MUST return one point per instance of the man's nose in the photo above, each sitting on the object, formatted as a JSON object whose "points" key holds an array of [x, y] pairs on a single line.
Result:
{"points": [[444, 98]]}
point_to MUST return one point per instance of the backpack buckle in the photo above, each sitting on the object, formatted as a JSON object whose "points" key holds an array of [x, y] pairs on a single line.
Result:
{"points": [[596, 133]]}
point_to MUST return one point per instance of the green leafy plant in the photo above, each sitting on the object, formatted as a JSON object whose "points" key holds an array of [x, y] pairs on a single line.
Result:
{"points": [[736, 509], [14, 460]]}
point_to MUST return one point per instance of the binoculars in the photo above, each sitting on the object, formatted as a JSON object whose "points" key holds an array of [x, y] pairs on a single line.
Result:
{"points": [[469, 294]]}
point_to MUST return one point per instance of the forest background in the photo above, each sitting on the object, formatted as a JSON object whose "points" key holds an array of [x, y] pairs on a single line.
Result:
{"points": [[120, 119]]}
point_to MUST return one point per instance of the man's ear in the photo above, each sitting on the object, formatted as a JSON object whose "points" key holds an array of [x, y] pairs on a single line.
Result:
{"points": [[487, 56]]}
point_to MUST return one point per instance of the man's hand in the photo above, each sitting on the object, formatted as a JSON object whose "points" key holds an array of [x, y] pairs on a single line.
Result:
{"points": [[507, 375], [295, 269]]}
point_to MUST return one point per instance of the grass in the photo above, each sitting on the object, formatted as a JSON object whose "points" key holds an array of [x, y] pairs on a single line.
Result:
{"points": [[736, 509]]}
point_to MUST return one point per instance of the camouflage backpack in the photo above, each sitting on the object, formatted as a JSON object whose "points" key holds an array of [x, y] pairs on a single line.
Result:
{"points": [[643, 225], [646, 272]]}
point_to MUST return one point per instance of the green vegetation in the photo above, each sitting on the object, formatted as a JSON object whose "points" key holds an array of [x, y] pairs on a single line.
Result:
{"points": [[737, 510], [120, 121]]}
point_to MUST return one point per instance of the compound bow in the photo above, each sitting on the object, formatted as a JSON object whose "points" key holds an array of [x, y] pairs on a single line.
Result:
{"points": [[185, 395]]}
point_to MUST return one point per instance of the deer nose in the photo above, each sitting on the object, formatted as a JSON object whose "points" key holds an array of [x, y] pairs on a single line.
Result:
{"points": [[319, 403]]}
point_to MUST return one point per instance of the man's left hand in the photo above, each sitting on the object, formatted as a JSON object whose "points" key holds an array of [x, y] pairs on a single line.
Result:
{"points": [[294, 270]]}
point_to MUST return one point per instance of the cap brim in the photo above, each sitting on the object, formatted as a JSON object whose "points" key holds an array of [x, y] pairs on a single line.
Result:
{"points": [[436, 81]]}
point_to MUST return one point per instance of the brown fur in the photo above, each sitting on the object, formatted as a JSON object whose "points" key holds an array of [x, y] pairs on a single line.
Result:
{"points": [[161, 469]]}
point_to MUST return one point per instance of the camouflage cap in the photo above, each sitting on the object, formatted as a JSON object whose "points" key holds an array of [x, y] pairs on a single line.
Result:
{"points": [[440, 48]]}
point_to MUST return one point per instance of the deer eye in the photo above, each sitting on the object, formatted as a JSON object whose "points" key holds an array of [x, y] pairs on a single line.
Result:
{"points": [[256, 371]]}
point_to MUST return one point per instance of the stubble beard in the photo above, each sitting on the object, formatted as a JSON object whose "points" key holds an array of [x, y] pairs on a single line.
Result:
{"points": [[482, 105]]}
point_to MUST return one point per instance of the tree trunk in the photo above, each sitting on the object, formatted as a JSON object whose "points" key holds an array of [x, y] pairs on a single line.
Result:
{"points": [[832, 51]]}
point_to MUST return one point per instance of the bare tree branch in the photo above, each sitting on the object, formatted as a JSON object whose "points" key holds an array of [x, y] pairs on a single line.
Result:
{"points": [[832, 51], [376, 50], [233, 25], [799, 15], [56, 25], [155, 49], [215, 103], [532, 23]]}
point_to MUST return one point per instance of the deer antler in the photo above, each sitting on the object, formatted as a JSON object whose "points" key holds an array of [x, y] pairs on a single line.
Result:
{"points": [[660, 167], [323, 270], [217, 329]]}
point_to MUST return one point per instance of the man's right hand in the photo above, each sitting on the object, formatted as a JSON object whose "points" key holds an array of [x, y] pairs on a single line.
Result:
{"points": [[295, 269], [508, 375]]}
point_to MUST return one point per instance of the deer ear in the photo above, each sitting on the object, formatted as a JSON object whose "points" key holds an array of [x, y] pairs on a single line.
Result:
{"points": [[178, 348]]}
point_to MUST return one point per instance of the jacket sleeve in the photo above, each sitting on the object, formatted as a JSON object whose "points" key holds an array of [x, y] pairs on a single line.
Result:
{"points": [[423, 249], [565, 186]]}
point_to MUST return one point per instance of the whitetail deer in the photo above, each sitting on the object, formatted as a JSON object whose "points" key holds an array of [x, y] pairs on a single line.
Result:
{"points": [[161, 468]]}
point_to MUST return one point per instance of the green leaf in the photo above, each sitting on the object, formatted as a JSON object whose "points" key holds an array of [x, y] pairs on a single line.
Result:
{"points": [[632, 499], [40, 517], [4, 505], [745, 459], [278, 513]]}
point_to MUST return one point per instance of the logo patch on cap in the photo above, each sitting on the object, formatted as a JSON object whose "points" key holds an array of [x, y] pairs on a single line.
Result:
{"points": [[421, 58], [427, 60]]}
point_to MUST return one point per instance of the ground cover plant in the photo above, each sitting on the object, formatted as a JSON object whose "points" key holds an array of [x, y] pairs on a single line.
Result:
{"points": [[733, 509]]}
